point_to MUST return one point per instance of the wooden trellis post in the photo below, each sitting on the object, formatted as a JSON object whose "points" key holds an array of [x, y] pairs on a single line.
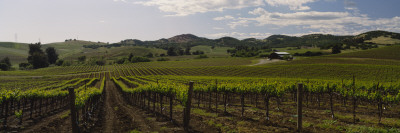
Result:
{"points": [[74, 122], [186, 117], [299, 106]]}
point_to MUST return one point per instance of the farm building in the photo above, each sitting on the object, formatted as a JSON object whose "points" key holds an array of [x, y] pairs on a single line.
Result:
{"points": [[280, 55]]}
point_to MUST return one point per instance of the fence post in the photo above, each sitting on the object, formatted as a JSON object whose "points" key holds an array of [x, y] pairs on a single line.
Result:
{"points": [[299, 107], [186, 117], [5, 115], [74, 122]]}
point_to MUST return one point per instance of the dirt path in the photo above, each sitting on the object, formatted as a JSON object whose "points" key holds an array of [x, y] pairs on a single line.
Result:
{"points": [[115, 115], [60, 122], [121, 117], [265, 61]]}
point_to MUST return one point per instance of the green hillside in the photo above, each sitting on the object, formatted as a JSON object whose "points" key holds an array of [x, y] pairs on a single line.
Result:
{"points": [[390, 52], [17, 52]]}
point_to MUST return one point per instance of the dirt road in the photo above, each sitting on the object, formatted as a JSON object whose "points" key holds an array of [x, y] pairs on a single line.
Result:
{"points": [[265, 61]]}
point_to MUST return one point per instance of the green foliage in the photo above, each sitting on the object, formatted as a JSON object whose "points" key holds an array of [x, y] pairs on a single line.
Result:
{"points": [[336, 49], [82, 58], [123, 60], [4, 67], [389, 52], [37, 57], [67, 63], [38, 60], [96, 61], [244, 51], [198, 52], [163, 59], [187, 51], [136, 59], [263, 55], [5, 64], [202, 56], [51, 55], [25, 66], [18, 113], [150, 55], [365, 129], [172, 51], [6, 61], [59, 62], [308, 53]]}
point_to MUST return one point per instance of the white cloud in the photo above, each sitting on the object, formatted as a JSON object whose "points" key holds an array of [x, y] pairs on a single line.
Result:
{"points": [[119, 0], [226, 17], [218, 28], [258, 11], [239, 35], [188, 7], [293, 4], [326, 22], [242, 22]]}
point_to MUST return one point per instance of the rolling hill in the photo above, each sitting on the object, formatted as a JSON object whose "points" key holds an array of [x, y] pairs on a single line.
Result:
{"points": [[72, 49]]}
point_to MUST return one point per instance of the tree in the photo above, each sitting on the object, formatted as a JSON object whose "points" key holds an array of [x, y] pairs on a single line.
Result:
{"points": [[25, 66], [336, 49], [33, 48], [38, 60], [4, 67], [171, 51], [6, 61], [187, 51], [51, 55], [82, 58], [37, 57], [181, 52], [139, 59], [130, 57], [59, 62], [150, 55]]}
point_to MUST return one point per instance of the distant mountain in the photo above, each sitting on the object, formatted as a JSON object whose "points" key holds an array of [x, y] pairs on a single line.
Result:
{"points": [[18, 51], [378, 33], [274, 41], [184, 38]]}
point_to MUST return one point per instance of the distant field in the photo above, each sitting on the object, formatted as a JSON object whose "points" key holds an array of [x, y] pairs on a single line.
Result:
{"points": [[390, 52], [293, 50], [17, 52], [326, 60], [216, 52], [228, 93], [115, 52], [384, 40]]}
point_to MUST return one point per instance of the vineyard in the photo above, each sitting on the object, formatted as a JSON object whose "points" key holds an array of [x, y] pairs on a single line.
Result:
{"points": [[339, 94], [242, 104]]}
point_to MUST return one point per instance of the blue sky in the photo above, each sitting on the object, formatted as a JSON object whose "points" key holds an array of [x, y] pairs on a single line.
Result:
{"points": [[116, 20]]}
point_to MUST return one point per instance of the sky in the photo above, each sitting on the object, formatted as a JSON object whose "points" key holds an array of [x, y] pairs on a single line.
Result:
{"points": [[31, 21]]}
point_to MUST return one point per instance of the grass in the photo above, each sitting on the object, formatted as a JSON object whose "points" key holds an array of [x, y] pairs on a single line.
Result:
{"points": [[203, 112], [293, 50], [216, 52], [65, 115], [390, 52], [134, 131], [365, 129], [307, 124], [328, 60], [327, 124], [384, 40]]}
